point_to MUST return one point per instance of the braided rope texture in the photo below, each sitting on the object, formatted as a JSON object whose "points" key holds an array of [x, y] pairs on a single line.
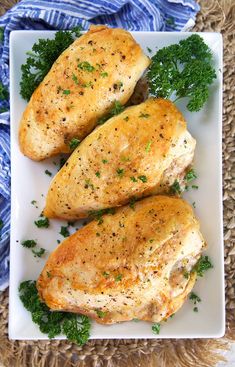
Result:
{"points": [[218, 16]]}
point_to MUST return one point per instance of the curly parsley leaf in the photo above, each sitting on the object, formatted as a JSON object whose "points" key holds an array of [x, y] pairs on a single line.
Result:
{"points": [[40, 60], [184, 69], [203, 264], [75, 327]]}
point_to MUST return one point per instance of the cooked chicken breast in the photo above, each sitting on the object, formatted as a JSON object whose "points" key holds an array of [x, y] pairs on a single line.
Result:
{"points": [[134, 154], [130, 265], [100, 67]]}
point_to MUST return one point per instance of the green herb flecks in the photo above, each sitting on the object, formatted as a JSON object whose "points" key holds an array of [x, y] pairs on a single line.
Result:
{"points": [[148, 146], [144, 115], [132, 203], [117, 108], [175, 188], [64, 231], [105, 274], [143, 178], [120, 172], [75, 79], [184, 69], [118, 278], [100, 313], [156, 328], [74, 143], [86, 66], [190, 175], [97, 174], [98, 214], [29, 243], [195, 298], [38, 252], [66, 92], [43, 55], [42, 222], [104, 75], [104, 161], [48, 173], [133, 179], [75, 327], [203, 264], [149, 50]]}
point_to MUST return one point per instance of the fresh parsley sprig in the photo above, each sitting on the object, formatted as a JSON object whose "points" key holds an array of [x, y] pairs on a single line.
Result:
{"points": [[43, 55], [184, 69], [76, 327]]}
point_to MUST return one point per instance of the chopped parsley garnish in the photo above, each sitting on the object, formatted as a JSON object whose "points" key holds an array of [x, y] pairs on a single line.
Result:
{"points": [[104, 161], [175, 188], [97, 174], [39, 252], [64, 231], [29, 243], [126, 118], [148, 146], [48, 173], [184, 69], [104, 74], [62, 162], [120, 172], [33, 202], [85, 65], [195, 187], [156, 328], [143, 178], [42, 222], [195, 309], [186, 274], [100, 313], [203, 264], [97, 214], [190, 175], [49, 274], [132, 203], [144, 115], [194, 297], [194, 204], [124, 159], [74, 143], [76, 327], [87, 85], [149, 50], [66, 91], [118, 278], [75, 79], [117, 108], [105, 274], [133, 179]]}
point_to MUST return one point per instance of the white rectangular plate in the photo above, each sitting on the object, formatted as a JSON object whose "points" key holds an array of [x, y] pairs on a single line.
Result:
{"points": [[29, 182]]}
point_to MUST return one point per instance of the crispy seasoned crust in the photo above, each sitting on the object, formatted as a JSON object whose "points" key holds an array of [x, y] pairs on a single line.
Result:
{"points": [[71, 98], [132, 265], [134, 154]]}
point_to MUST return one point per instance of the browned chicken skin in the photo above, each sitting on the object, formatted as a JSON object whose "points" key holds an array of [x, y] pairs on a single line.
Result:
{"points": [[100, 67], [137, 153], [132, 265]]}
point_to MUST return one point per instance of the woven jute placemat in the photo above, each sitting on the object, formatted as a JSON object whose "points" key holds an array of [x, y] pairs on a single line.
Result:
{"points": [[216, 16]]}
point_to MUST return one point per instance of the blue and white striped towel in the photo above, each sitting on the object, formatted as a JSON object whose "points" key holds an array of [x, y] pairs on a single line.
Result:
{"points": [[133, 15]]}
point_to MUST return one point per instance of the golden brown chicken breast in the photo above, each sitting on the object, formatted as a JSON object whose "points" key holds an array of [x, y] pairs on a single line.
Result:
{"points": [[132, 264], [100, 67], [137, 153]]}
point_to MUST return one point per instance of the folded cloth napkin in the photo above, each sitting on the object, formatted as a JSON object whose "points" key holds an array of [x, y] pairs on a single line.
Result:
{"points": [[133, 15]]}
